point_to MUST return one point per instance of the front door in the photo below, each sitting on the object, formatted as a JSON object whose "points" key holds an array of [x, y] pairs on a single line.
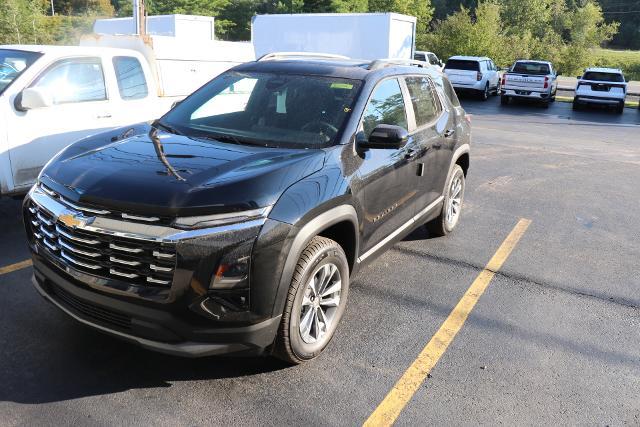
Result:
{"points": [[387, 176], [80, 108]]}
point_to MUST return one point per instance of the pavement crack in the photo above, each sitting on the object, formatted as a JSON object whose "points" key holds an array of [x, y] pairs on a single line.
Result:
{"points": [[622, 302]]}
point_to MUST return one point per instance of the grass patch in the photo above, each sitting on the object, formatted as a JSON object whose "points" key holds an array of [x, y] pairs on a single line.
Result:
{"points": [[628, 104], [627, 60]]}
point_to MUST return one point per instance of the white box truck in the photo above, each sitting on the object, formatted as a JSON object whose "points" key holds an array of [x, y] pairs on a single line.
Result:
{"points": [[356, 35]]}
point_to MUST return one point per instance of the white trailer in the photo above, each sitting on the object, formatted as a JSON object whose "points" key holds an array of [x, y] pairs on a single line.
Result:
{"points": [[356, 35]]}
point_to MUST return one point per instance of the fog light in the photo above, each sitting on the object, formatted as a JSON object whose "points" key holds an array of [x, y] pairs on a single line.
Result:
{"points": [[231, 273]]}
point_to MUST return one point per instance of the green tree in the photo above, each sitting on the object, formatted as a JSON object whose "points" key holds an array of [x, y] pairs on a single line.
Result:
{"points": [[21, 21]]}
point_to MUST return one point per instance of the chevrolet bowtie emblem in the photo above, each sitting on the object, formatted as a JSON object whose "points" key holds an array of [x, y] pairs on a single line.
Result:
{"points": [[73, 221]]}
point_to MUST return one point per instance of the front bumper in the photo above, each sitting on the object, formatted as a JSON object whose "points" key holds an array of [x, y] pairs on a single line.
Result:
{"points": [[154, 329]]}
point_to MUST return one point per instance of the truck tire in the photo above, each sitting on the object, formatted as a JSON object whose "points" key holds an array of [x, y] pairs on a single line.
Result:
{"points": [[620, 108], [504, 100], [315, 303], [576, 106], [449, 217]]}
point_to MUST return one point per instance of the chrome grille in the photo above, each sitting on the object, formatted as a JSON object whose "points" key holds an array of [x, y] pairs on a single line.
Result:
{"points": [[135, 261]]}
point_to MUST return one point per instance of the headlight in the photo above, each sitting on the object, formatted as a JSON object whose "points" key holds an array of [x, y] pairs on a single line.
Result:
{"points": [[193, 222]]}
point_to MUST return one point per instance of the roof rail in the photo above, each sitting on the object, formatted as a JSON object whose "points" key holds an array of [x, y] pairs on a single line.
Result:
{"points": [[285, 55], [381, 63]]}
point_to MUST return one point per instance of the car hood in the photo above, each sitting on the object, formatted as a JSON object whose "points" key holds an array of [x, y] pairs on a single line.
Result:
{"points": [[144, 171]]}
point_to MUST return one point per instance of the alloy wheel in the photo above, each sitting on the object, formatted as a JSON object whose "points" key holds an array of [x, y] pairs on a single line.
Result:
{"points": [[320, 303], [454, 203]]}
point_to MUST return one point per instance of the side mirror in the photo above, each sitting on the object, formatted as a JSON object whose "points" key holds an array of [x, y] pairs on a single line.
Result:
{"points": [[31, 98], [386, 137], [578, 77]]}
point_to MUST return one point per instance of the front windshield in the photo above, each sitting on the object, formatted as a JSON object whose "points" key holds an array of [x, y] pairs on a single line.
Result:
{"points": [[268, 109], [12, 64]]}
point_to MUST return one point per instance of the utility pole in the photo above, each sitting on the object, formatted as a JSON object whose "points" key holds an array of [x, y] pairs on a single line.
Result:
{"points": [[140, 17], [53, 12]]}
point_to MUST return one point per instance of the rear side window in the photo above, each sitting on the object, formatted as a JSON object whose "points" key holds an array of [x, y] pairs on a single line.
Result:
{"points": [[598, 76], [460, 64], [450, 92], [131, 80], [419, 57], [425, 105], [386, 106]]}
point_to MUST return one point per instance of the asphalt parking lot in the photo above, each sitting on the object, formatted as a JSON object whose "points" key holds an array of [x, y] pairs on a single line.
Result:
{"points": [[554, 339]]}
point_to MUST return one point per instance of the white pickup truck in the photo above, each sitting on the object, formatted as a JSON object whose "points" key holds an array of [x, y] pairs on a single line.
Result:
{"points": [[51, 96], [529, 79]]}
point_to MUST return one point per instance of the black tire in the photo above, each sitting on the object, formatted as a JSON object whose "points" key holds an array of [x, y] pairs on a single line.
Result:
{"points": [[576, 106], [620, 108], [440, 226], [504, 100], [545, 103], [484, 94], [290, 345]]}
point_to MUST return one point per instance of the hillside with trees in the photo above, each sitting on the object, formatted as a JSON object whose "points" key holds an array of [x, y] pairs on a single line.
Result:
{"points": [[564, 31]]}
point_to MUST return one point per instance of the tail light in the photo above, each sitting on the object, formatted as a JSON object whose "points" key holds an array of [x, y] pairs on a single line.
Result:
{"points": [[479, 76], [546, 82], [504, 80]]}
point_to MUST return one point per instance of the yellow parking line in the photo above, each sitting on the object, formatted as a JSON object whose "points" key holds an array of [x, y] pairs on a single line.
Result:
{"points": [[13, 267], [389, 409]]}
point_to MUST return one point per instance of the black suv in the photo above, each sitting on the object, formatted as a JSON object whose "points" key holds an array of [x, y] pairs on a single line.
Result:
{"points": [[234, 223]]}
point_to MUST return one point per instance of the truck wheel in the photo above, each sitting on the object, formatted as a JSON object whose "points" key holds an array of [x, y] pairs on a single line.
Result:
{"points": [[315, 302], [620, 108], [576, 106], [504, 100], [484, 94], [452, 206], [545, 103]]}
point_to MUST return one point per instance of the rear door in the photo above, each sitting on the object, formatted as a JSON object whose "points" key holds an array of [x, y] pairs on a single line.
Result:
{"points": [[462, 71], [434, 137], [80, 108], [387, 176]]}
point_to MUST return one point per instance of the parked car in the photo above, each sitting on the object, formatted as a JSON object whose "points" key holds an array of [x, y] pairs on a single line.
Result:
{"points": [[530, 80], [235, 222], [601, 86], [473, 73], [429, 57]]}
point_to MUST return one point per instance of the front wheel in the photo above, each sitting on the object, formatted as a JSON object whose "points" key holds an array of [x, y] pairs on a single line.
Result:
{"points": [[446, 222], [315, 302]]}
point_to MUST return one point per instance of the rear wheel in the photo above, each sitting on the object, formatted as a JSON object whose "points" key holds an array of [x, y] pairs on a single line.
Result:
{"points": [[315, 303], [504, 100], [620, 108], [484, 94], [576, 105], [446, 222]]}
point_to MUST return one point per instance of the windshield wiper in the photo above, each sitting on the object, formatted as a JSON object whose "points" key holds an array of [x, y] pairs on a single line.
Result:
{"points": [[159, 125], [229, 138]]}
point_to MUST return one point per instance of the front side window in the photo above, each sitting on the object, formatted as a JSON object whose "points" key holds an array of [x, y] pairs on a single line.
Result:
{"points": [[271, 109], [13, 63], [74, 80], [423, 100], [132, 83], [386, 106], [433, 60]]}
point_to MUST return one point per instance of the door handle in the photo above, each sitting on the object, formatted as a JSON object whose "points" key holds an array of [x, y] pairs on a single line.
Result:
{"points": [[449, 133]]}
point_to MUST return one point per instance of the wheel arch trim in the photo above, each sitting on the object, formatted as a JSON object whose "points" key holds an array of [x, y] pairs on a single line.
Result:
{"points": [[303, 236]]}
